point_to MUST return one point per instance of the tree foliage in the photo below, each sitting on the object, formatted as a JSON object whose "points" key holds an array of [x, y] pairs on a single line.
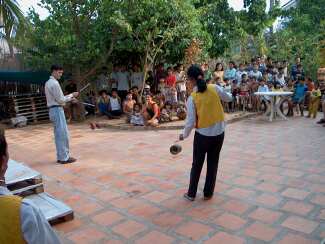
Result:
{"points": [[302, 34]]}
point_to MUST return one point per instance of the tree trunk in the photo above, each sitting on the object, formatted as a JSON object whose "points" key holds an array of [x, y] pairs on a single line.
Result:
{"points": [[145, 65]]}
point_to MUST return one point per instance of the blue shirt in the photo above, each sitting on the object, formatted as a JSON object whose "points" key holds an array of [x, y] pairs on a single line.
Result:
{"points": [[230, 74], [299, 92]]}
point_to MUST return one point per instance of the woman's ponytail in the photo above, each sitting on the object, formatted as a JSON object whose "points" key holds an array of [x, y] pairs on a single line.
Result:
{"points": [[195, 72]]}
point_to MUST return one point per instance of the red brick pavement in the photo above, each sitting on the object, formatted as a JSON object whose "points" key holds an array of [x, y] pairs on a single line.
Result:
{"points": [[127, 188]]}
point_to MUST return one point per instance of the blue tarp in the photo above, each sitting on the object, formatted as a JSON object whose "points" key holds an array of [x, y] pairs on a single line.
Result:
{"points": [[39, 77]]}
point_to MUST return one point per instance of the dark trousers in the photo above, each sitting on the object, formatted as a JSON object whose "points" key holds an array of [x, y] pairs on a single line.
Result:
{"points": [[210, 146]]}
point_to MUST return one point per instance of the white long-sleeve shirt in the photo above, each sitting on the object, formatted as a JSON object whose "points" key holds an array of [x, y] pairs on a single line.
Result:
{"points": [[34, 226], [54, 94], [214, 130]]}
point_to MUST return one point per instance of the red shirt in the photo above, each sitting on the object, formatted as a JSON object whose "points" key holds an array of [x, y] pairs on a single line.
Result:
{"points": [[171, 81]]}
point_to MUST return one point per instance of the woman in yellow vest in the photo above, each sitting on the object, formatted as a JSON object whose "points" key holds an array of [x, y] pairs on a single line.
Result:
{"points": [[21, 221], [205, 112]]}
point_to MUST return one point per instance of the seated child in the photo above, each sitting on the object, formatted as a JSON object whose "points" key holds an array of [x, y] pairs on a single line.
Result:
{"points": [[314, 100], [277, 87], [263, 88], [166, 113], [227, 86], [181, 111], [90, 105], [128, 106], [115, 109], [136, 117], [135, 94], [103, 103], [298, 96]]}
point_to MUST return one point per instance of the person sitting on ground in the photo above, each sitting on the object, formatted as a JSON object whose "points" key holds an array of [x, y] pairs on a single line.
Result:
{"points": [[128, 106], [136, 117], [115, 108], [314, 100], [298, 96], [135, 94], [90, 103], [103, 103], [151, 112], [181, 111], [20, 220], [166, 113], [160, 100]]}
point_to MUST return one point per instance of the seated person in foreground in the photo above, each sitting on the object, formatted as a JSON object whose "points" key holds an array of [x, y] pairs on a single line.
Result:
{"points": [[136, 116], [20, 220], [103, 103], [115, 108], [151, 112], [128, 106]]}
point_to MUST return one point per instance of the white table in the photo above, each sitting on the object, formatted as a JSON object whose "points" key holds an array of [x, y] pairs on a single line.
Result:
{"points": [[273, 108]]}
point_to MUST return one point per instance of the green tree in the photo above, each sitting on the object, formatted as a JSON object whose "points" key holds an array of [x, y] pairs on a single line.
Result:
{"points": [[79, 34], [220, 21], [302, 34], [161, 30]]}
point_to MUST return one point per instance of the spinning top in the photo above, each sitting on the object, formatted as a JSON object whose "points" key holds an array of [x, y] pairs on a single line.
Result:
{"points": [[175, 149]]}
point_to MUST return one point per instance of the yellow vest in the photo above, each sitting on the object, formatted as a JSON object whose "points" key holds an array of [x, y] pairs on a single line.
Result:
{"points": [[10, 226], [208, 107]]}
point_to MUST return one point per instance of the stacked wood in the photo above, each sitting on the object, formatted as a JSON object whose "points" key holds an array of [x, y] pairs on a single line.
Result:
{"points": [[33, 108]]}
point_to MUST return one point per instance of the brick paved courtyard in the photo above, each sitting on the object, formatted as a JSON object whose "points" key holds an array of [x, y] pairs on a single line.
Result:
{"points": [[127, 188]]}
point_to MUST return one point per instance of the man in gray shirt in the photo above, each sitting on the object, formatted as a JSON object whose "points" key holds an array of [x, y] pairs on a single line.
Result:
{"points": [[55, 102]]}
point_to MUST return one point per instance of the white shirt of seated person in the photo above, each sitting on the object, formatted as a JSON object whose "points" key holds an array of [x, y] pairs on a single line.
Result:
{"points": [[115, 104]]}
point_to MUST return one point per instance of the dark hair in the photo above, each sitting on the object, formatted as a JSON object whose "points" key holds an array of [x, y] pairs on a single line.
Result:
{"points": [[3, 144], [137, 104], [218, 65], [232, 62], [56, 67], [195, 72], [101, 92]]}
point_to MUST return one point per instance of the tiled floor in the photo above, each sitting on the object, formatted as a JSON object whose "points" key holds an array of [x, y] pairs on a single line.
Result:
{"points": [[127, 188]]}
